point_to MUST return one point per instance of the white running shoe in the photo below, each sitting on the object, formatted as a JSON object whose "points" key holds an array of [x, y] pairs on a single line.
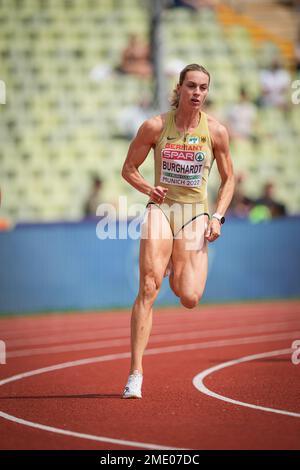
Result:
{"points": [[133, 387]]}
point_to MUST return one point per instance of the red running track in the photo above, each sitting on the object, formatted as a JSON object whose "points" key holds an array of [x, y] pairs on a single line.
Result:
{"points": [[62, 383]]}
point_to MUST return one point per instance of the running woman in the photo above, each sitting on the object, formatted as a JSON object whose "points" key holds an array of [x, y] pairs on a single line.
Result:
{"points": [[177, 226]]}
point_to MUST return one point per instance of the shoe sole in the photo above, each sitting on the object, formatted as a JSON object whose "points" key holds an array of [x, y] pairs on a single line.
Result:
{"points": [[131, 396]]}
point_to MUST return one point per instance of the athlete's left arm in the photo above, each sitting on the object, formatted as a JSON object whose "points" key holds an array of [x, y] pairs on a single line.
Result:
{"points": [[220, 143]]}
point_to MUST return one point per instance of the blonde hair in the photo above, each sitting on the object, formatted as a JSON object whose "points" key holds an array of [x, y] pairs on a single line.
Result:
{"points": [[174, 101]]}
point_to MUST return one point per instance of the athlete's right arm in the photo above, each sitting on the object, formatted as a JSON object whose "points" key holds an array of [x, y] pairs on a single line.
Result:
{"points": [[141, 145]]}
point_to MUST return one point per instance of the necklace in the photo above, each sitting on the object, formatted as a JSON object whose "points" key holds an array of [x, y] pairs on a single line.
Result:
{"points": [[186, 130]]}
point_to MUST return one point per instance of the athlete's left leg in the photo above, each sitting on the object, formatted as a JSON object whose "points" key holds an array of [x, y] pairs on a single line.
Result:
{"points": [[190, 262]]}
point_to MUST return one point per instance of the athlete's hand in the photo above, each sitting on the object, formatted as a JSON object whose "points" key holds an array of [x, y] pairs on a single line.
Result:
{"points": [[158, 194], [213, 230]]}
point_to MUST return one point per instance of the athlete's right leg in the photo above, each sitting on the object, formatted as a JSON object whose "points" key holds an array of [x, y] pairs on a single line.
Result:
{"points": [[155, 251]]}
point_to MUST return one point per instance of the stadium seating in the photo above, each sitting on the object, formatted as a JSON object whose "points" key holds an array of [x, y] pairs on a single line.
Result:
{"points": [[59, 125]]}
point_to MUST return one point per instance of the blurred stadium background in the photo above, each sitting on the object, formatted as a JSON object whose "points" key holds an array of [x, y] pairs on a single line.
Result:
{"points": [[62, 123]]}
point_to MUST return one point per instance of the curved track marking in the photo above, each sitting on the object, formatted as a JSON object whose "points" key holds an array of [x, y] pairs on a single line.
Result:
{"points": [[90, 437], [111, 357], [198, 382]]}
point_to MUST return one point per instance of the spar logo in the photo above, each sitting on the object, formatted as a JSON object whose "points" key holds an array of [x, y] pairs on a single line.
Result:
{"points": [[178, 155], [199, 157]]}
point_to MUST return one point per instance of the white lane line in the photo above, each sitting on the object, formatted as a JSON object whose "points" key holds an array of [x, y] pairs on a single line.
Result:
{"points": [[154, 351], [62, 338], [94, 332], [78, 323], [111, 357], [67, 327], [90, 437], [124, 342], [69, 323], [198, 382], [120, 333], [111, 332]]}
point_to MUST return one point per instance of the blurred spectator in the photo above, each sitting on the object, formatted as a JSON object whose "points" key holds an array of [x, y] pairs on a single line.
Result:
{"points": [[94, 198], [275, 82], [240, 205], [5, 224], [132, 117], [260, 213], [136, 58], [241, 118], [276, 208]]}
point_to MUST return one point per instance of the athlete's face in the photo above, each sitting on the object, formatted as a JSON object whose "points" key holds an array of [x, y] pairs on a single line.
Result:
{"points": [[194, 89]]}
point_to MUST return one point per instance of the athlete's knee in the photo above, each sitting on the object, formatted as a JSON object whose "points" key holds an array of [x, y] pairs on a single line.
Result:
{"points": [[189, 300], [149, 287]]}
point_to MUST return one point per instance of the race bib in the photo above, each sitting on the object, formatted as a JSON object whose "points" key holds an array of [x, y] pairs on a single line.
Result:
{"points": [[182, 166]]}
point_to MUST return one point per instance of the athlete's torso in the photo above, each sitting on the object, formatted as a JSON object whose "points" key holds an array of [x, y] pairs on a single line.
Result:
{"points": [[183, 163]]}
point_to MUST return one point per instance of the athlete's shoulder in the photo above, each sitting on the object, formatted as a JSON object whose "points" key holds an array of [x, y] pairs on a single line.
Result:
{"points": [[153, 126], [157, 122]]}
